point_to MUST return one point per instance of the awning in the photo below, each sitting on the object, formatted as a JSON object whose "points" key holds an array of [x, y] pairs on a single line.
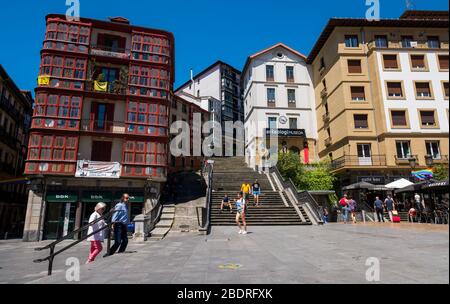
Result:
{"points": [[62, 197], [399, 184], [412, 188], [359, 186], [96, 197], [436, 186]]}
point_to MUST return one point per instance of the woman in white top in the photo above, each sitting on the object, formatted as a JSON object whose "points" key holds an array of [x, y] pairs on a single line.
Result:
{"points": [[98, 238]]}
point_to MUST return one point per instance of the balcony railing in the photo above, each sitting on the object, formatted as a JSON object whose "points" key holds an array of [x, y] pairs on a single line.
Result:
{"points": [[356, 161], [328, 141], [111, 87], [107, 51], [442, 160], [324, 93], [414, 44], [102, 126], [326, 117]]}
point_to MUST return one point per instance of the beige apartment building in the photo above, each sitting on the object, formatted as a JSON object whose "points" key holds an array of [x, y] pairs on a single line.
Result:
{"points": [[382, 95]]}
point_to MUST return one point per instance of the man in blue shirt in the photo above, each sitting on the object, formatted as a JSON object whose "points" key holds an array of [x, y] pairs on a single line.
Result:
{"points": [[379, 209], [120, 225]]}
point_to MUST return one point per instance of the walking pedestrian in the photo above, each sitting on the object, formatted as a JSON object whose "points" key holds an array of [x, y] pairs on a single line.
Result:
{"points": [[379, 209], [344, 207], [245, 189], [256, 190], [352, 207], [241, 206], [226, 201], [390, 207], [97, 238], [120, 225], [418, 201]]}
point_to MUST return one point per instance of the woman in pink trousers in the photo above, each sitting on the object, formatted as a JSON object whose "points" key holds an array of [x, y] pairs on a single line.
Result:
{"points": [[98, 238]]}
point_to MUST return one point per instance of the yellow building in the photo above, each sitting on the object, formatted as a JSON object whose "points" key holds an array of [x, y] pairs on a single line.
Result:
{"points": [[382, 95]]}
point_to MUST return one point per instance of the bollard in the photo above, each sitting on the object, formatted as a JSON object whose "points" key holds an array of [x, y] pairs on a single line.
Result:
{"points": [[364, 216]]}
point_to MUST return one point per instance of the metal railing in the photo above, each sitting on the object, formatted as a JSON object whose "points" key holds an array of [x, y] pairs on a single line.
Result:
{"points": [[413, 44], [103, 126], [356, 161], [114, 87], [108, 51], [303, 198], [207, 225], [404, 160], [71, 236]]}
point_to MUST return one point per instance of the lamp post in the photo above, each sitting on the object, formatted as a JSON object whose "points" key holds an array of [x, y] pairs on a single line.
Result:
{"points": [[413, 163]]}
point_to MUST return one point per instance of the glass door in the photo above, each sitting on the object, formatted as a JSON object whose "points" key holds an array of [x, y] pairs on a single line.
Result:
{"points": [[365, 154], [60, 220]]}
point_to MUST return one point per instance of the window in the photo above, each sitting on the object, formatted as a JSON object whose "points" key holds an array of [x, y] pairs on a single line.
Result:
{"points": [[150, 82], [147, 119], [322, 63], [290, 74], [184, 108], [270, 73], [67, 37], [361, 121], [64, 72], [443, 62], [433, 149], [150, 48], [390, 62], [57, 111], [293, 123], [354, 66], [364, 150], [446, 90], [291, 95], [381, 41], [423, 90], [399, 118], [358, 93], [271, 95], [433, 42], [395, 89], [403, 149], [52, 148], [428, 118], [273, 123], [141, 158], [418, 62], [407, 41], [351, 41]]}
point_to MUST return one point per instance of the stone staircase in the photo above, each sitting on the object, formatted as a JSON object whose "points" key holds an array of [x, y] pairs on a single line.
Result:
{"points": [[164, 225], [275, 209]]}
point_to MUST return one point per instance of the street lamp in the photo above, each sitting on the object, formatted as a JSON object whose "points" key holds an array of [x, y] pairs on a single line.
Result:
{"points": [[429, 161], [413, 163]]}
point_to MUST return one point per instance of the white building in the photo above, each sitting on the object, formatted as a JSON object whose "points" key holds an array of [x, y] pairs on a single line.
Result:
{"points": [[278, 94], [219, 82]]}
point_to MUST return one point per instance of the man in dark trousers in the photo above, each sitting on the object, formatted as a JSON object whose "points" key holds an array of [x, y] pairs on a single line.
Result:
{"points": [[379, 209], [120, 225]]}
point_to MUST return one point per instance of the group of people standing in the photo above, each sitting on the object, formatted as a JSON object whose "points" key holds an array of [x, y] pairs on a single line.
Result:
{"points": [[241, 203], [96, 231], [348, 206]]}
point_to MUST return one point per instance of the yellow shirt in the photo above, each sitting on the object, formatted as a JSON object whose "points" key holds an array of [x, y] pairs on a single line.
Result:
{"points": [[246, 188]]}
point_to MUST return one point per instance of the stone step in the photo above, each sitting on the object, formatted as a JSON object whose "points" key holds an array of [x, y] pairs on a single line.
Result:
{"points": [[164, 224], [159, 232]]}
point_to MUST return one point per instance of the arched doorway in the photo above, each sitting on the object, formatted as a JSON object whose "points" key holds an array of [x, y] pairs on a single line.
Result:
{"points": [[294, 150]]}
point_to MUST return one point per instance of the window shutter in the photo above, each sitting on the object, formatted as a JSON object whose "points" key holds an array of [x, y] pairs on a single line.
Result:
{"points": [[395, 88], [443, 62], [390, 61], [418, 61], [354, 66], [399, 118], [358, 93], [422, 88], [427, 118]]}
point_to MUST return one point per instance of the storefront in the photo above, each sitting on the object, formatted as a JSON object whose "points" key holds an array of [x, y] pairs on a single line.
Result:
{"points": [[60, 218]]}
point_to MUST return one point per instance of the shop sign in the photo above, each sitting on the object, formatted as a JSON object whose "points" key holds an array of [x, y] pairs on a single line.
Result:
{"points": [[286, 132], [375, 180], [97, 197], [62, 197]]}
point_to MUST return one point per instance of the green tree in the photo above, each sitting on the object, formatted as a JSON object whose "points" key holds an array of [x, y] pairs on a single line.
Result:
{"points": [[441, 172], [289, 165], [317, 177]]}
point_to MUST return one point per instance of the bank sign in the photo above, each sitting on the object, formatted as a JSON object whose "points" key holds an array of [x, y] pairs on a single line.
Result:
{"points": [[286, 132], [91, 169]]}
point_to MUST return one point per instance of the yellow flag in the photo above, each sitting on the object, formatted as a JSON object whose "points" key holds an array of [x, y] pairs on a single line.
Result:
{"points": [[100, 86], [43, 80]]}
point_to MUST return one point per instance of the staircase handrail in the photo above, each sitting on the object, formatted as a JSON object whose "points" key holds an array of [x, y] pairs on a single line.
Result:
{"points": [[288, 183], [207, 226], [50, 258]]}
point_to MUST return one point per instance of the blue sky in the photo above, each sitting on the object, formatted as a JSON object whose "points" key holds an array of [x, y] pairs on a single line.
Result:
{"points": [[205, 30]]}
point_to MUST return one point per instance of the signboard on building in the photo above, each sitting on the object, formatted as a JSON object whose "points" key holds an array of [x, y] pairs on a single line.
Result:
{"points": [[286, 132], [374, 180], [91, 169]]}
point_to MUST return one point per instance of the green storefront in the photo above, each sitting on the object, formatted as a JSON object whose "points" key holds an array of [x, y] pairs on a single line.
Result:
{"points": [[60, 217]]}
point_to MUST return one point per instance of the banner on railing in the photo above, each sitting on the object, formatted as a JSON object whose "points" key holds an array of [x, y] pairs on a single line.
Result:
{"points": [[100, 86], [91, 169], [43, 80]]}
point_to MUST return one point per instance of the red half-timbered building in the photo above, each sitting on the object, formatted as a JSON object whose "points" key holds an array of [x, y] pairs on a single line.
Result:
{"points": [[101, 121]]}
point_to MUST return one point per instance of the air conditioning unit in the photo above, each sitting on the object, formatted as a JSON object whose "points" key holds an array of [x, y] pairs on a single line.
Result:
{"points": [[414, 44]]}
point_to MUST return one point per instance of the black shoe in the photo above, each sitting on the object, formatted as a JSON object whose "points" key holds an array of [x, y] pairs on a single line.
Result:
{"points": [[106, 255]]}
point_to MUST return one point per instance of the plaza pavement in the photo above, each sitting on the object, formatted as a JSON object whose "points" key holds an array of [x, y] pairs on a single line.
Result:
{"points": [[333, 253]]}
